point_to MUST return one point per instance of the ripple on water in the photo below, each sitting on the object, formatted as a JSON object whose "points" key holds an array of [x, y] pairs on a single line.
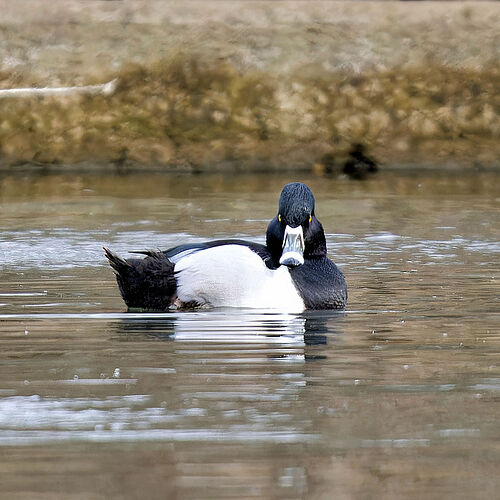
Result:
{"points": [[252, 404], [254, 401], [63, 248]]}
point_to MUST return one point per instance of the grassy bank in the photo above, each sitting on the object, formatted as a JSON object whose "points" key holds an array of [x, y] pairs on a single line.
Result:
{"points": [[290, 84]]}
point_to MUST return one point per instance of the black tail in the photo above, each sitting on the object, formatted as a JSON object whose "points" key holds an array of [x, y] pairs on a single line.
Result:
{"points": [[147, 283]]}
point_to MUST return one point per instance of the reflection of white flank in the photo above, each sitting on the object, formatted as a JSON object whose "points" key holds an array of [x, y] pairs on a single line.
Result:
{"points": [[243, 329]]}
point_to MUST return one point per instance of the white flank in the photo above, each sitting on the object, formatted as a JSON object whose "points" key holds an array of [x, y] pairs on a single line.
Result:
{"points": [[234, 276]]}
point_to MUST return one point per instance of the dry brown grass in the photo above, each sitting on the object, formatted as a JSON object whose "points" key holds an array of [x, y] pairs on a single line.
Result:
{"points": [[248, 84]]}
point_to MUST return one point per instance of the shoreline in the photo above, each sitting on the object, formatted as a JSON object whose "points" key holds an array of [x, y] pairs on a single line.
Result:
{"points": [[209, 87]]}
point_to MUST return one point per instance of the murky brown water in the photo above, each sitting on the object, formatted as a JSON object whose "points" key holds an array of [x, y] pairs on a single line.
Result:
{"points": [[397, 398]]}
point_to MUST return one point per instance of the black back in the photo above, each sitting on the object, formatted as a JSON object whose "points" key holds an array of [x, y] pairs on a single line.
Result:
{"points": [[261, 250]]}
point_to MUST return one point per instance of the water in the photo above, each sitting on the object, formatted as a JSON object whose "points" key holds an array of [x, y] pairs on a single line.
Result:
{"points": [[398, 397]]}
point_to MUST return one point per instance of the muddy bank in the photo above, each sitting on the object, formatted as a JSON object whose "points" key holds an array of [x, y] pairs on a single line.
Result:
{"points": [[265, 85]]}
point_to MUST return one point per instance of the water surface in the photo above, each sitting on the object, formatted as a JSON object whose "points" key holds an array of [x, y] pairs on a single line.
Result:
{"points": [[397, 397]]}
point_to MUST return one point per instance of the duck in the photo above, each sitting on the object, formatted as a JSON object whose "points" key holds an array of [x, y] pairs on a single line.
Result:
{"points": [[291, 272]]}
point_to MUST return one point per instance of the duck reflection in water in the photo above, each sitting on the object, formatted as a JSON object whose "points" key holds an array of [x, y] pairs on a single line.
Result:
{"points": [[311, 328]]}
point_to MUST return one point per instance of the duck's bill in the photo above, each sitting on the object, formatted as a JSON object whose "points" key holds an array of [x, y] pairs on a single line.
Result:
{"points": [[293, 247]]}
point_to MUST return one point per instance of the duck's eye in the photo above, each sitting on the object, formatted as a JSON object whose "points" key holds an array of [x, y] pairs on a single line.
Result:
{"points": [[279, 217], [310, 218]]}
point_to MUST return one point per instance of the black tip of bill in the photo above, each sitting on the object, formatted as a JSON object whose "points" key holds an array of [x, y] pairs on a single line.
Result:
{"points": [[291, 259]]}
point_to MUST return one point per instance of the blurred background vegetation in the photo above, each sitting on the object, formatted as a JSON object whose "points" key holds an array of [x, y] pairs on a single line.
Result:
{"points": [[248, 85]]}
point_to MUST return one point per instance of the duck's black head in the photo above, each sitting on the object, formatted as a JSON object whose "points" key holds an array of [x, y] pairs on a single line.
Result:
{"points": [[295, 234]]}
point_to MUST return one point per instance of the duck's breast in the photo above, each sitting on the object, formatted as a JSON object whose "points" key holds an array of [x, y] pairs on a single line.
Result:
{"points": [[235, 276]]}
